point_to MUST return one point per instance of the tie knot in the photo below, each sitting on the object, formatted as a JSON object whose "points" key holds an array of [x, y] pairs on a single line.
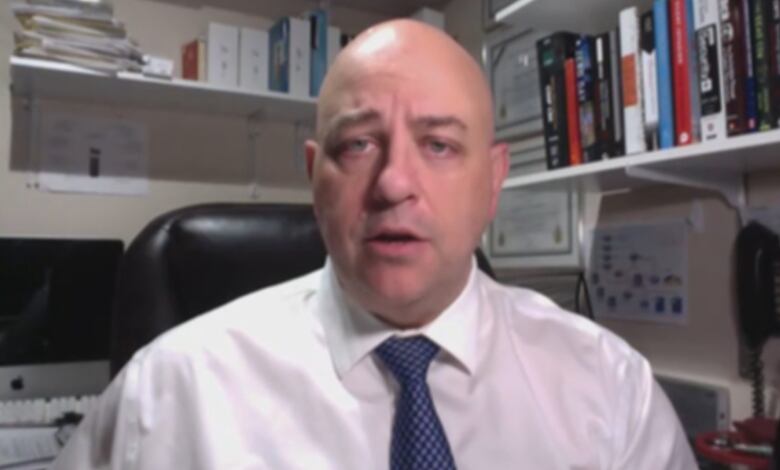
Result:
{"points": [[407, 358]]}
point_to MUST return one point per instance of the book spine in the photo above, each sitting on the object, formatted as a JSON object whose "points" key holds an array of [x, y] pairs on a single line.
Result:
{"points": [[710, 82], [279, 57], [664, 75], [189, 60], [632, 81], [619, 143], [751, 98], [693, 72], [318, 24], [681, 80], [572, 112], [761, 64], [604, 125], [734, 65], [649, 84], [552, 52], [587, 98], [773, 31]]}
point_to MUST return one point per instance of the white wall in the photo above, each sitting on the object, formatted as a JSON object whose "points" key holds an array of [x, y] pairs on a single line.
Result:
{"points": [[193, 157], [706, 348]]}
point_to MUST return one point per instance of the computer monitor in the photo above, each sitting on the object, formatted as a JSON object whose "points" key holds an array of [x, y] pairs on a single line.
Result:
{"points": [[55, 315]]}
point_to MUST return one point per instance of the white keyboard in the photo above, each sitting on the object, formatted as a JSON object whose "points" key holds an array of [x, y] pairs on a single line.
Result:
{"points": [[43, 411]]}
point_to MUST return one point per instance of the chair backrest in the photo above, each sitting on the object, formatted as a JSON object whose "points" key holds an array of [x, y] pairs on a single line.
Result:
{"points": [[194, 259]]}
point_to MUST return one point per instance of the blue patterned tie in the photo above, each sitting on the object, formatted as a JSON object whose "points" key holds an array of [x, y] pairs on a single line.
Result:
{"points": [[419, 442]]}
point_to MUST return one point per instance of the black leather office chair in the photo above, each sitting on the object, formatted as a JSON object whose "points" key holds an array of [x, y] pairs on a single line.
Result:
{"points": [[193, 259]]}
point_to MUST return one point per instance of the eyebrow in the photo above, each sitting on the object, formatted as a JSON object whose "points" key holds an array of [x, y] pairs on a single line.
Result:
{"points": [[430, 122]]}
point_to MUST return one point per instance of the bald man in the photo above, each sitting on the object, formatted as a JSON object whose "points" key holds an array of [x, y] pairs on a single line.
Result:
{"points": [[399, 353]]}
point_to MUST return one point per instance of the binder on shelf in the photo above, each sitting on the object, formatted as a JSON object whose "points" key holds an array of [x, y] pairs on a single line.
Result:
{"points": [[572, 112], [334, 44], [605, 127], [253, 64], [663, 74], [649, 75], [710, 58], [552, 53], [222, 55], [630, 67], [734, 64], [618, 133], [289, 66], [193, 60], [758, 23], [587, 98], [318, 20]]}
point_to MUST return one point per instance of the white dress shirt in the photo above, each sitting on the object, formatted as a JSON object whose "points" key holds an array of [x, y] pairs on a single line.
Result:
{"points": [[285, 378]]}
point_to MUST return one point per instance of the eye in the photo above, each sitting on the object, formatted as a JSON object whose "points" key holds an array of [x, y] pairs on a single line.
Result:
{"points": [[357, 147], [439, 148]]}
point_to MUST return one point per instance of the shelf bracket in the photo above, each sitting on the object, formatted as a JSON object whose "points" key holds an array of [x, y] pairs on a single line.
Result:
{"points": [[730, 186]]}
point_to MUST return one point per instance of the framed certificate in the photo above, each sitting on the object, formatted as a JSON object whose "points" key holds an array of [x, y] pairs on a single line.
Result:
{"points": [[535, 228], [510, 59]]}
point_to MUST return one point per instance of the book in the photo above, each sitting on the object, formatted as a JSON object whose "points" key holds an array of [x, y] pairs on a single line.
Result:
{"points": [[253, 59], [693, 72], [222, 55], [681, 80], [334, 44], [551, 53], [618, 141], [773, 31], [318, 22], [663, 74], [758, 24], [649, 75], [630, 67], [734, 64], [587, 98], [605, 127], [289, 65], [572, 112], [751, 96], [193, 60], [708, 34]]}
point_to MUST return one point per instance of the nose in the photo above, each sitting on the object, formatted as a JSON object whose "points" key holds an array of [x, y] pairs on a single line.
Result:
{"points": [[396, 178]]}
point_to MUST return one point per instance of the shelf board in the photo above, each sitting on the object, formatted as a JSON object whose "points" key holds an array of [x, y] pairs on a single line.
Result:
{"points": [[33, 78], [725, 160], [588, 16]]}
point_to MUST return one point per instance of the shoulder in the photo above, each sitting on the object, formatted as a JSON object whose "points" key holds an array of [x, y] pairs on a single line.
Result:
{"points": [[537, 325], [264, 319]]}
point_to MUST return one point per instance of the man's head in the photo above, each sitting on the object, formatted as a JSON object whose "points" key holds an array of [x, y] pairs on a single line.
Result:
{"points": [[404, 170]]}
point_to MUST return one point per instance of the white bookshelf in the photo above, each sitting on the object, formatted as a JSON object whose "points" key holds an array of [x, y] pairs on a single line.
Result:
{"points": [[591, 16], [40, 79]]}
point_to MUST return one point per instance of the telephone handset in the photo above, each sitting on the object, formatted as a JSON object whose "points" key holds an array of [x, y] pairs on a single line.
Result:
{"points": [[758, 291]]}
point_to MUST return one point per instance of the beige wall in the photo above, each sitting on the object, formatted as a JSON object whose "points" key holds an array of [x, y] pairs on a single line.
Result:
{"points": [[706, 348], [193, 157]]}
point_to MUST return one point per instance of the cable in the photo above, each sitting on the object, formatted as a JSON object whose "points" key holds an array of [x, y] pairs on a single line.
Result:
{"points": [[757, 381], [582, 286]]}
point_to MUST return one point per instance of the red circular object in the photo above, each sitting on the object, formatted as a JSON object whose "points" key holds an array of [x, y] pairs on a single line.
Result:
{"points": [[705, 447]]}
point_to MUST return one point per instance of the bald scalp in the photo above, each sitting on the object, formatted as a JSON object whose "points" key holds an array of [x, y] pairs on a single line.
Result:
{"points": [[409, 48]]}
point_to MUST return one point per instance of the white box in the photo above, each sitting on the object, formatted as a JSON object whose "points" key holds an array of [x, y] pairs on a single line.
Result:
{"points": [[222, 55], [253, 59], [334, 44], [300, 57], [432, 17]]}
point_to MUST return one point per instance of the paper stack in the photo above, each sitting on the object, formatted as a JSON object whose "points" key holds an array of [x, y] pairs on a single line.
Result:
{"points": [[80, 32]]}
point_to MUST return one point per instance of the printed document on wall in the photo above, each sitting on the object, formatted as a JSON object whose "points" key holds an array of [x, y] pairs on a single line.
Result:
{"points": [[92, 155], [640, 272]]}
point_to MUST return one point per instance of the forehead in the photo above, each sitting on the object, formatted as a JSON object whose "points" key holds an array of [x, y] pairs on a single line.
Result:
{"points": [[394, 91]]}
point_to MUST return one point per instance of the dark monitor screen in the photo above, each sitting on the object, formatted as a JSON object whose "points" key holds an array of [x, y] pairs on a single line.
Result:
{"points": [[55, 299]]}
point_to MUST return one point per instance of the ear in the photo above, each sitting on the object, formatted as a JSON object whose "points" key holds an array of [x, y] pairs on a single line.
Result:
{"points": [[310, 148], [499, 157]]}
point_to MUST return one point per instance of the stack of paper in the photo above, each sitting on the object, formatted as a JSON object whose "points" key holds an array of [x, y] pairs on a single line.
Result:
{"points": [[80, 32]]}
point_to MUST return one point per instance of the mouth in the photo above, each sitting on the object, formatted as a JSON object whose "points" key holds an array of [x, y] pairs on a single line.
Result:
{"points": [[395, 243]]}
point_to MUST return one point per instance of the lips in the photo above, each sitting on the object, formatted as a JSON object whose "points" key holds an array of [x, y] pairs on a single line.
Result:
{"points": [[395, 242]]}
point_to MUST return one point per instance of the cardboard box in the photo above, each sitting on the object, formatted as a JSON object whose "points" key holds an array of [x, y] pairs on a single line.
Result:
{"points": [[253, 59], [222, 55]]}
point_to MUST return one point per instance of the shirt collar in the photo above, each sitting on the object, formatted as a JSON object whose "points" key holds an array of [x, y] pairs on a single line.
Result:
{"points": [[352, 333]]}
